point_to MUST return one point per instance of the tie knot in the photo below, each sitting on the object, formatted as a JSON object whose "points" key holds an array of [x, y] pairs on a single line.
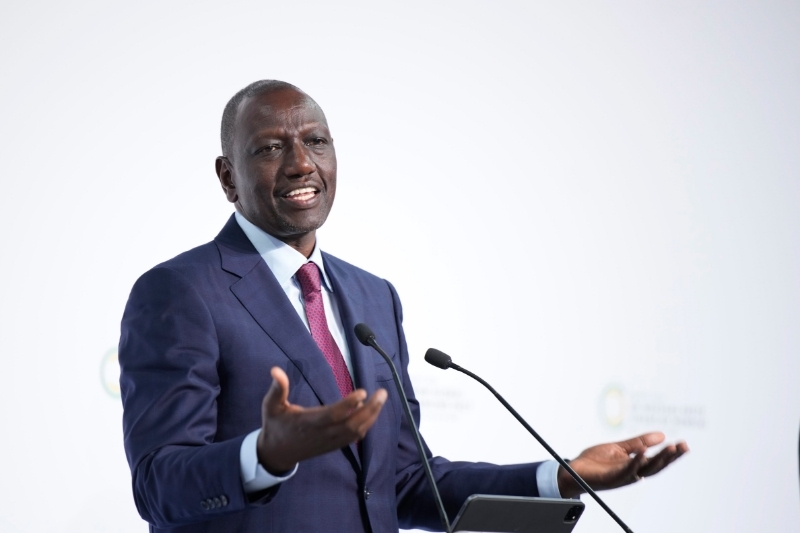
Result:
{"points": [[308, 278]]}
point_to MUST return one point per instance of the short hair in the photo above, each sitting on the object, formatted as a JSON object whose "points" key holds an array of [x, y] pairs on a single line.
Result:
{"points": [[229, 114]]}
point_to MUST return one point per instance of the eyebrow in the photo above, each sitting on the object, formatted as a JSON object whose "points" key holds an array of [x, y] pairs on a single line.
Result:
{"points": [[279, 131]]}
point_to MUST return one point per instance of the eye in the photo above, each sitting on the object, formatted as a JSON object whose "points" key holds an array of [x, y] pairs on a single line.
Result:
{"points": [[268, 149], [317, 141]]}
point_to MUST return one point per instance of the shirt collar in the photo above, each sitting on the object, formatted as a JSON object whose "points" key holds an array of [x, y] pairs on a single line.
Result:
{"points": [[282, 259]]}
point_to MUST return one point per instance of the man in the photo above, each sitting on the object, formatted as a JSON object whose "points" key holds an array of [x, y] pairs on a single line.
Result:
{"points": [[260, 316]]}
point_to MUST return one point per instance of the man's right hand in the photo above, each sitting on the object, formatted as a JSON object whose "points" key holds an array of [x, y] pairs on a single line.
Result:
{"points": [[290, 433]]}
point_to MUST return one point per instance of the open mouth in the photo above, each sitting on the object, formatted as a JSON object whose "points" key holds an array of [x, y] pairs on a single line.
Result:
{"points": [[301, 195]]}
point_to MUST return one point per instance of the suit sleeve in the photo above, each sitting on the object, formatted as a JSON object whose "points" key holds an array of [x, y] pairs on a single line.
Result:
{"points": [[169, 357], [456, 480]]}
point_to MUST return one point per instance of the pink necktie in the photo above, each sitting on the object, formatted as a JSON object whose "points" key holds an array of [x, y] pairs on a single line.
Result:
{"points": [[308, 277]]}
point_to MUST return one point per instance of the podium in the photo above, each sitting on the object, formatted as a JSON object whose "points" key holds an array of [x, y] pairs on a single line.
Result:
{"points": [[505, 514]]}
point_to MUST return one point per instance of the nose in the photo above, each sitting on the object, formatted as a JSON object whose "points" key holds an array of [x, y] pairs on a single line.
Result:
{"points": [[298, 162]]}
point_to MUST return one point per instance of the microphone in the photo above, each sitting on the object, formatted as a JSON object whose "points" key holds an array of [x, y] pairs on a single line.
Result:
{"points": [[441, 360], [366, 337]]}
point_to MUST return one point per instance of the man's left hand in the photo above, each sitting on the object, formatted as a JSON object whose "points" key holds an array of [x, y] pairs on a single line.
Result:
{"points": [[616, 464]]}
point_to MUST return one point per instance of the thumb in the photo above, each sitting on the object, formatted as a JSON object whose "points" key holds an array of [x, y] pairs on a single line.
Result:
{"points": [[277, 396], [631, 471]]}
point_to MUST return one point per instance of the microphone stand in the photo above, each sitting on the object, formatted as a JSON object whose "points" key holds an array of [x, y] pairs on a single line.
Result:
{"points": [[367, 338], [448, 363]]}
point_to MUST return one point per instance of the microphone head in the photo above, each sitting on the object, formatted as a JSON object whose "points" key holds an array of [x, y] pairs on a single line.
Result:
{"points": [[364, 334], [438, 359]]}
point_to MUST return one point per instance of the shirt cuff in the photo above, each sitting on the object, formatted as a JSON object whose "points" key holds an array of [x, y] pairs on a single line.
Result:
{"points": [[547, 480], [254, 477]]}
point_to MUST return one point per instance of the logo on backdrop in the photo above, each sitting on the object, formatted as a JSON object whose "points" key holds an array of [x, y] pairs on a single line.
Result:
{"points": [[619, 407], [613, 406], [109, 373]]}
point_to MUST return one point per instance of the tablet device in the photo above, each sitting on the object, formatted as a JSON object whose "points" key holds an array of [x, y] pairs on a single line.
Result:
{"points": [[502, 514]]}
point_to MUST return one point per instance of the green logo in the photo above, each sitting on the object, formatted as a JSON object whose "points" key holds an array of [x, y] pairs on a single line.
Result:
{"points": [[613, 406], [109, 373]]}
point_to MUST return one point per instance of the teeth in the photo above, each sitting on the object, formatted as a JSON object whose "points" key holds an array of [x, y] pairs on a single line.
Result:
{"points": [[304, 190]]}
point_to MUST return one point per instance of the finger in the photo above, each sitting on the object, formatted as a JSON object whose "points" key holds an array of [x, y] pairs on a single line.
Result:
{"points": [[657, 463], [370, 408], [631, 473], [672, 458], [339, 411], [357, 396], [361, 419], [277, 396], [335, 432], [637, 444], [680, 449]]}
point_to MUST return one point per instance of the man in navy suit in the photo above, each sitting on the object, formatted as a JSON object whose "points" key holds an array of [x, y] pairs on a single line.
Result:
{"points": [[216, 332]]}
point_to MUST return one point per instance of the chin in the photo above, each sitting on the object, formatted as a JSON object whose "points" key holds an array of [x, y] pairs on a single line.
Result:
{"points": [[300, 227]]}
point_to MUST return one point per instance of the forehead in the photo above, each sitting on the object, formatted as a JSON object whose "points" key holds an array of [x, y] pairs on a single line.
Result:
{"points": [[280, 111]]}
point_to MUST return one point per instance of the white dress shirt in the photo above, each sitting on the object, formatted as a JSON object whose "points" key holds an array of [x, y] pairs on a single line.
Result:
{"points": [[284, 261]]}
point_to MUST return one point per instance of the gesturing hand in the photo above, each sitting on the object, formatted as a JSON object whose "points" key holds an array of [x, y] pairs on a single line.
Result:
{"points": [[290, 433], [612, 465]]}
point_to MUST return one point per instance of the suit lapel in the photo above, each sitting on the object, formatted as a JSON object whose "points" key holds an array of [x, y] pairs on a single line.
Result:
{"points": [[351, 309], [261, 294]]}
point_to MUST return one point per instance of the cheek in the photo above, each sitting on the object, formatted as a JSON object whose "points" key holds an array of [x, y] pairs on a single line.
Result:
{"points": [[256, 199], [261, 188], [330, 177], [326, 166]]}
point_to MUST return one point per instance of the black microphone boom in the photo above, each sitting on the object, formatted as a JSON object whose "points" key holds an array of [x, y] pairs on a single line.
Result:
{"points": [[366, 337], [441, 360], [438, 359]]}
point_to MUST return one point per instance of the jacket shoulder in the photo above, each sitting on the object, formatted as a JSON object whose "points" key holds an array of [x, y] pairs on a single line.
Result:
{"points": [[193, 266], [341, 266], [198, 257]]}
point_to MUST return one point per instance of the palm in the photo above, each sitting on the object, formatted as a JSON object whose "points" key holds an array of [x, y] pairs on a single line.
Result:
{"points": [[615, 464], [606, 465]]}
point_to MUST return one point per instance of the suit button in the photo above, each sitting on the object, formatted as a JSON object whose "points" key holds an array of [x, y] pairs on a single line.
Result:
{"points": [[367, 493], [217, 503], [204, 505], [224, 500]]}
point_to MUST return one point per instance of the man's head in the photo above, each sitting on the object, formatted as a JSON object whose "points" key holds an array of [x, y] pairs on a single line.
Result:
{"points": [[278, 164]]}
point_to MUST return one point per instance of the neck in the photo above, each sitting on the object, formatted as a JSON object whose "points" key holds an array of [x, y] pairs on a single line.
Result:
{"points": [[302, 243]]}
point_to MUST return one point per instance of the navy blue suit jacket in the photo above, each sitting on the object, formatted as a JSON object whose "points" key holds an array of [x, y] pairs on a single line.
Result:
{"points": [[200, 334]]}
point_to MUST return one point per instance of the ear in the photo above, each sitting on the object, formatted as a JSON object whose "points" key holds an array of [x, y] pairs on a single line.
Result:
{"points": [[225, 175]]}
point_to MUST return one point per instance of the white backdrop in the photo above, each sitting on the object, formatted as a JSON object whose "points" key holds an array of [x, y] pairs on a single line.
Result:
{"points": [[592, 204]]}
